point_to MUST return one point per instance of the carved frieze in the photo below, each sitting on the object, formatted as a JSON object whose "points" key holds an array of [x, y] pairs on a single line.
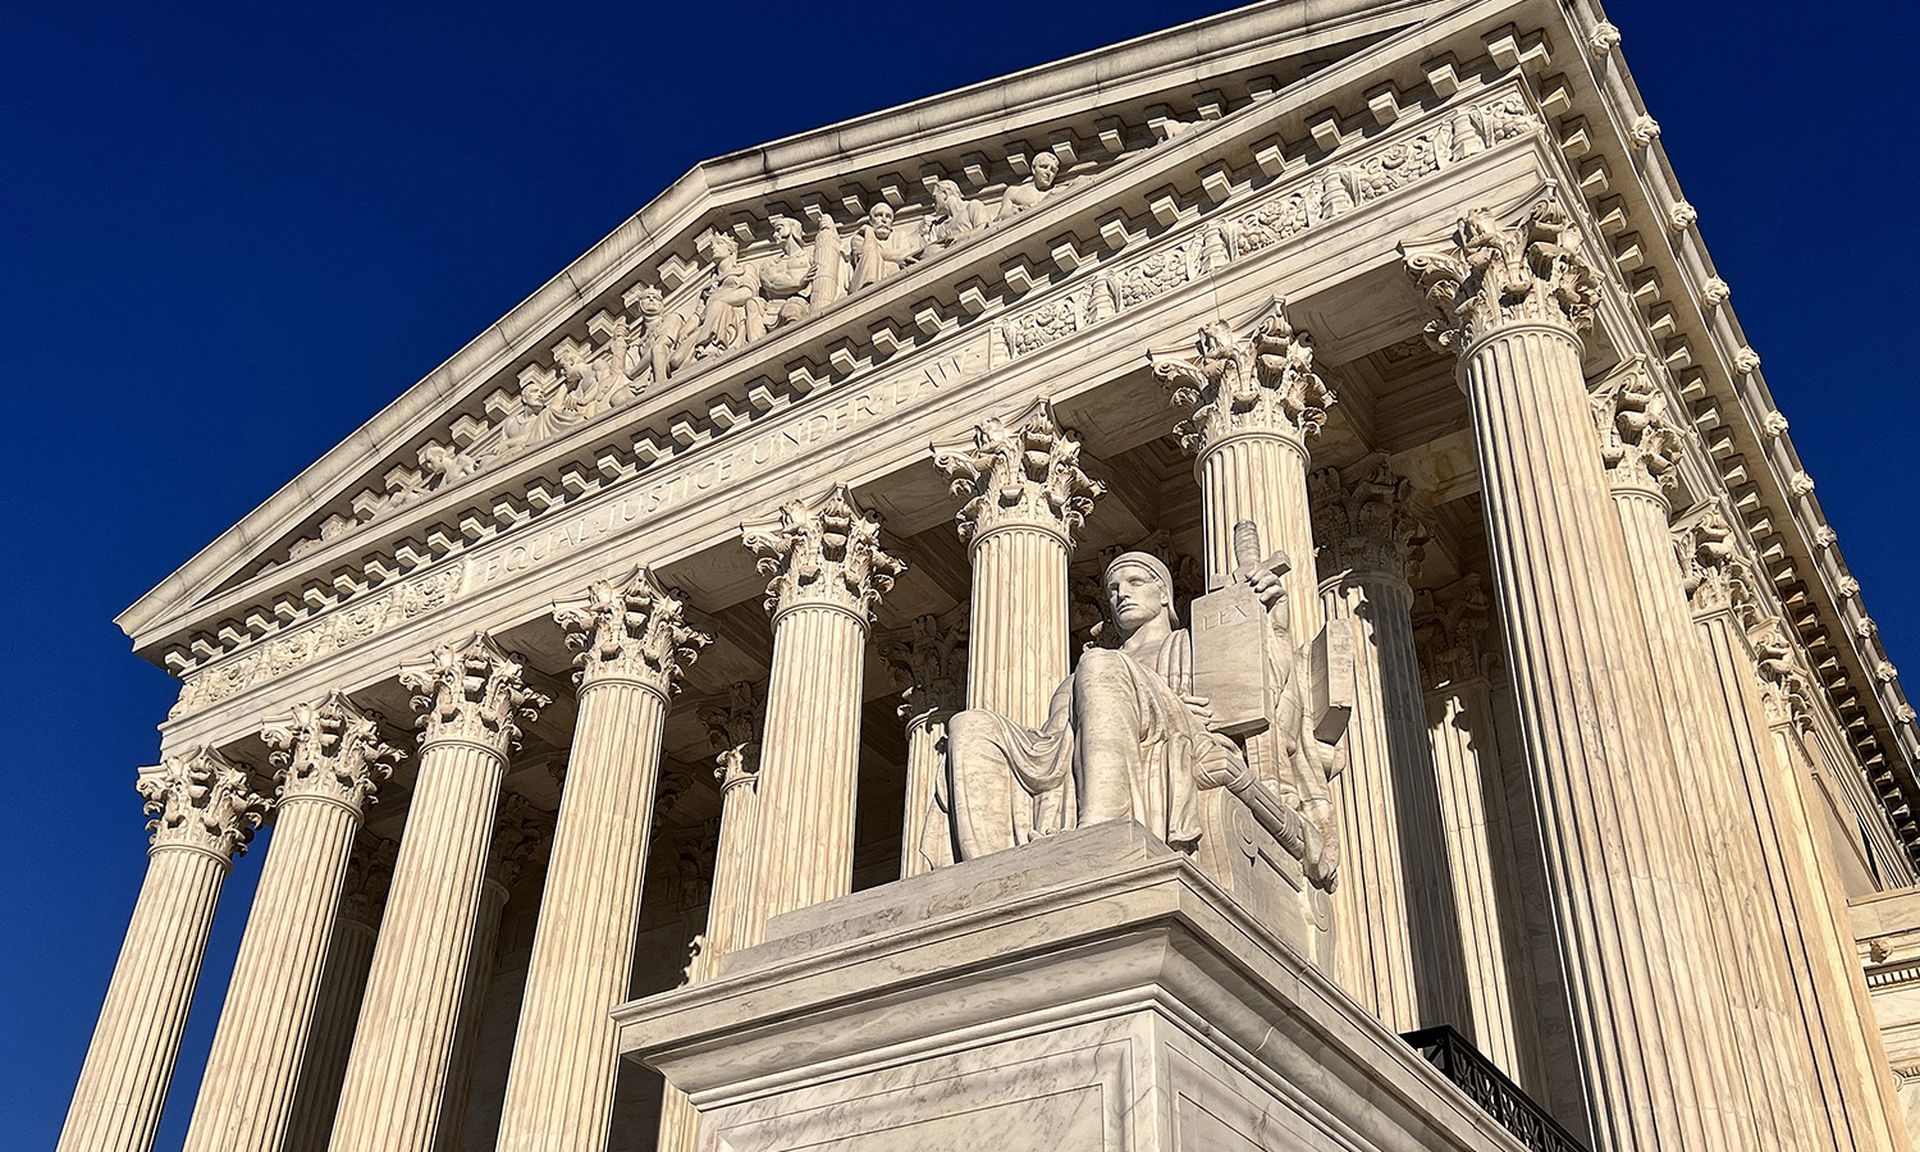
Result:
{"points": [[1107, 285]]}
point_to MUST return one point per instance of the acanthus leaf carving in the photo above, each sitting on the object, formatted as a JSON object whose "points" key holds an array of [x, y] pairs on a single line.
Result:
{"points": [[474, 692], [332, 750], [1021, 471], [631, 628], [1449, 632], [823, 552], [203, 801], [1716, 577], [1365, 522], [928, 660], [1640, 442], [1262, 382], [1490, 274], [733, 728]]}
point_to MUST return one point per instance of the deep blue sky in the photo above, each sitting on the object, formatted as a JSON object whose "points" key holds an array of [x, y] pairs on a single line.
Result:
{"points": [[230, 233]]}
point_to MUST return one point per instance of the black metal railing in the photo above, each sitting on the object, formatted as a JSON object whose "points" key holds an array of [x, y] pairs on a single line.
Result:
{"points": [[1459, 1061]]}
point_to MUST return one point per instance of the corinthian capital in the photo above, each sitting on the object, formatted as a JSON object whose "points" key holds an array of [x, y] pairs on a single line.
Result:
{"points": [[929, 662], [202, 801], [1785, 690], [1261, 382], [1490, 274], [1716, 576], [1449, 631], [733, 728], [1640, 443], [474, 692], [1365, 521], [823, 552], [330, 750], [520, 831], [369, 877], [632, 628], [1024, 471]]}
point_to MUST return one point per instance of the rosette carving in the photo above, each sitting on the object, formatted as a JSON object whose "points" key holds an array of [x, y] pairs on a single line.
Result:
{"points": [[330, 750], [1262, 382], [1023, 471], [1640, 443], [823, 552], [733, 728], [1490, 274], [1366, 522], [474, 691], [201, 800], [631, 628]]}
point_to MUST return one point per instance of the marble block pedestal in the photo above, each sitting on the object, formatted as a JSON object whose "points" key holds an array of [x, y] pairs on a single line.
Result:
{"points": [[1088, 991]]}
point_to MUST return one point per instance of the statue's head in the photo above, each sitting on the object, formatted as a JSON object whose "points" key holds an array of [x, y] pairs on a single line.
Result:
{"points": [[785, 228], [1139, 591], [946, 196], [882, 217], [1046, 166]]}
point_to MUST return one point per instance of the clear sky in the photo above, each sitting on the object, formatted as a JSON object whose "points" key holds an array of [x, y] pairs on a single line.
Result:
{"points": [[230, 233]]}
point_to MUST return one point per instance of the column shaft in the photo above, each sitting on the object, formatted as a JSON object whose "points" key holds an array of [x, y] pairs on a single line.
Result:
{"points": [[1584, 688], [403, 1048], [810, 764], [1262, 477], [247, 1094], [1460, 726], [565, 1053], [925, 763], [1018, 627], [1398, 948], [123, 1084], [451, 1134], [331, 1038]]}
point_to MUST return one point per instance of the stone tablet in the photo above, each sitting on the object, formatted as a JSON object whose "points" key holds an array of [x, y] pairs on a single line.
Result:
{"points": [[1331, 686], [1229, 635]]}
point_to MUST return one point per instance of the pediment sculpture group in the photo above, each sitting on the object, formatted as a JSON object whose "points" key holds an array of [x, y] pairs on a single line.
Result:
{"points": [[742, 302]]}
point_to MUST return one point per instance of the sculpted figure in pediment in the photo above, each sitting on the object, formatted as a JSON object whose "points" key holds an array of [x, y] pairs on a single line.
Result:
{"points": [[881, 249], [732, 312], [596, 381], [803, 279], [661, 334], [541, 413], [1041, 180], [956, 219], [1214, 739]]}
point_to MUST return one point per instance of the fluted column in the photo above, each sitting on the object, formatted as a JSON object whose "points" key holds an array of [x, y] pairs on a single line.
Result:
{"points": [[1640, 446], [1026, 495], [928, 663], [519, 831], [1513, 300], [1448, 630], [1825, 1039], [369, 874], [1398, 948], [331, 759], [472, 699], [828, 573], [733, 726], [1254, 402], [633, 643], [204, 812]]}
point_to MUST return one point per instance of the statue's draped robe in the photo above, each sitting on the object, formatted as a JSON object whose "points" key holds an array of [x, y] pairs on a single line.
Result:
{"points": [[1118, 743]]}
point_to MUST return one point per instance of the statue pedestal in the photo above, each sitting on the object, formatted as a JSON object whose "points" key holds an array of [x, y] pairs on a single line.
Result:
{"points": [[1088, 991]]}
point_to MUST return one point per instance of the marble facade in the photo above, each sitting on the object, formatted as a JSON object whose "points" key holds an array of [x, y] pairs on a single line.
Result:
{"points": [[759, 589]]}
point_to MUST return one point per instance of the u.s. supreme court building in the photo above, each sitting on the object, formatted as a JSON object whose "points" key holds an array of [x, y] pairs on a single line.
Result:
{"points": [[1245, 590]]}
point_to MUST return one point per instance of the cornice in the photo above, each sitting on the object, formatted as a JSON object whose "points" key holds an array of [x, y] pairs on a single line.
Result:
{"points": [[1136, 70]]}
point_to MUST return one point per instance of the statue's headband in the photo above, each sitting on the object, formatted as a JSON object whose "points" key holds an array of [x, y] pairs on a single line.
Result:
{"points": [[1144, 560]]}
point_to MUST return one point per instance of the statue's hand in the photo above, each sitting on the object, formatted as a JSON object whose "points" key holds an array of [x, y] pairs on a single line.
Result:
{"points": [[1200, 706], [1267, 585]]}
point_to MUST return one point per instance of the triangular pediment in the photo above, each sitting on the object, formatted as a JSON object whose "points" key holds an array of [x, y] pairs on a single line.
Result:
{"points": [[799, 217]]}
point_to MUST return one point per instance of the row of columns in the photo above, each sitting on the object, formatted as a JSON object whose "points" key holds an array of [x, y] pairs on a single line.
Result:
{"points": [[1680, 1047]]}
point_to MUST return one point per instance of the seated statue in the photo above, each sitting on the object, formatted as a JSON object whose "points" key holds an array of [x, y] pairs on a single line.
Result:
{"points": [[1129, 736]]}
